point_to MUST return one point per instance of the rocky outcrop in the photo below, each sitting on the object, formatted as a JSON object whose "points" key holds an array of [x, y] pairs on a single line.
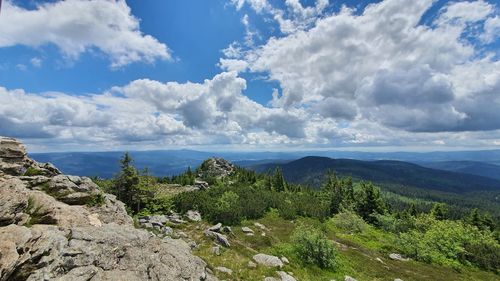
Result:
{"points": [[59, 227], [14, 160], [216, 168]]}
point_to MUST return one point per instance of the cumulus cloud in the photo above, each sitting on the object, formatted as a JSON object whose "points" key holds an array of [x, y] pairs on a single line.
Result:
{"points": [[350, 78], [384, 66], [76, 26]]}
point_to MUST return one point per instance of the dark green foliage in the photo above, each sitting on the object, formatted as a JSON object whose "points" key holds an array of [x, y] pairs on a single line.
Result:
{"points": [[439, 211], [313, 247], [33, 172], [126, 182], [96, 199], [369, 202], [186, 178], [33, 210], [453, 243]]}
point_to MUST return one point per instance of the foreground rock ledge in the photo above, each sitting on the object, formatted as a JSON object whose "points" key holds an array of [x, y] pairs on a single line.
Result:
{"points": [[48, 231]]}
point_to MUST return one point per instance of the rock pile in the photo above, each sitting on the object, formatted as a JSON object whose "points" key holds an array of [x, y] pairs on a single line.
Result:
{"points": [[54, 226], [214, 232], [216, 168]]}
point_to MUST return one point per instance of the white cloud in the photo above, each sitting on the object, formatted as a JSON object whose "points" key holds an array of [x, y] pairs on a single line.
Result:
{"points": [[36, 62], [383, 66], [77, 26]]}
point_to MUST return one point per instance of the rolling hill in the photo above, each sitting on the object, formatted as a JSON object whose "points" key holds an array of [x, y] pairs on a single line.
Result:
{"points": [[467, 167], [310, 170]]}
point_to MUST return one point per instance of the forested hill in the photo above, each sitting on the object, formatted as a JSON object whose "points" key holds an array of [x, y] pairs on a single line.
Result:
{"points": [[310, 170]]}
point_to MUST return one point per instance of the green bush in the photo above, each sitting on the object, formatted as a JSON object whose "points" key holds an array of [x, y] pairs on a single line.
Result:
{"points": [[33, 172], [313, 247], [452, 243], [349, 222], [97, 199]]}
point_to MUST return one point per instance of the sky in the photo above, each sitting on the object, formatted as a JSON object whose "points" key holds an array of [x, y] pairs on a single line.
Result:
{"points": [[95, 75]]}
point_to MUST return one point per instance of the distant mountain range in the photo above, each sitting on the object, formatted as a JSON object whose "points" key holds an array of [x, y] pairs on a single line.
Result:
{"points": [[467, 167], [311, 170], [170, 162]]}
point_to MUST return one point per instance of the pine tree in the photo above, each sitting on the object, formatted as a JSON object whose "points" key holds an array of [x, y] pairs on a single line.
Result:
{"points": [[279, 183], [439, 211], [126, 181], [369, 202]]}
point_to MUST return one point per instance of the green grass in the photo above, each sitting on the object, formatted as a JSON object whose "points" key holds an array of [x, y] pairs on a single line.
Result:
{"points": [[33, 172], [363, 256]]}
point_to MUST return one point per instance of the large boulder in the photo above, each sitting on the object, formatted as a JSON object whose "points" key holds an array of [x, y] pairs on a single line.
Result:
{"points": [[216, 168], [110, 252], [268, 260], [60, 227]]}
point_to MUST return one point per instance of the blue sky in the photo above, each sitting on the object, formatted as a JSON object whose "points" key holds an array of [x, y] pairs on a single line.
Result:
{"points": [[250, 74]]}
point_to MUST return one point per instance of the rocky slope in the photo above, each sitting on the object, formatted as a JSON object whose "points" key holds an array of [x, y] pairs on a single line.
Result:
{"points": [[59, 227]]}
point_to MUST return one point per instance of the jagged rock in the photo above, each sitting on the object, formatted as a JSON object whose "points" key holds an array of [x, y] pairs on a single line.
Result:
{"points": [[285, 276], [216, 228], [224, 270], [199, 184], [216, 168], [268, 260], [11, 148], [193, 215], [42, 237], [349, 278], [227, 229], [219, 238], [247, 230], [397, 257], [105, 253]]}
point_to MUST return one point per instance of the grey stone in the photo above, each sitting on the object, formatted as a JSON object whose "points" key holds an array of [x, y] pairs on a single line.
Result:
{"points": [[224, 270], [285, 276], [220, 239], [216, 227], [397, 257], [193, 215], [246, 230], [268, 260]]}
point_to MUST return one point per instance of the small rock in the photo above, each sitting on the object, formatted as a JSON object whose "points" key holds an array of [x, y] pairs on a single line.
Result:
{"points": [[285, 276], [251, 264], [263, 234], [219, 238], [182, 234], [397, 257], [349, 278], [216, 250], [261, 226], [216, 227], [397, 279], [193, 245], [271, 279], [285, 260], [193, 215], [227, 229], [268, 260], [167, 230], [246, 230], [224, 270]]}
